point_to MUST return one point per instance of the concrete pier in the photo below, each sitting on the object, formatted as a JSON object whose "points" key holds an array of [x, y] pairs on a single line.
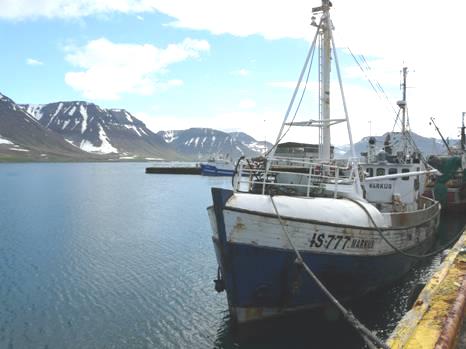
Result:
{"points": [[436, 318], [193, 170]]}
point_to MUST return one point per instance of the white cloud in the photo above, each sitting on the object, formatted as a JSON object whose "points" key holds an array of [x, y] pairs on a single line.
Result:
{"points": [[241, 72], [383, 28], [22, 9], [389, 33], [163, 86], [247, 104], [239, 17], [111, 69], [32, 61]]}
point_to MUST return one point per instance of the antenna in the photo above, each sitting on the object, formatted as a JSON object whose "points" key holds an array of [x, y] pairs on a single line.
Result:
{"points": [[440, 133]]}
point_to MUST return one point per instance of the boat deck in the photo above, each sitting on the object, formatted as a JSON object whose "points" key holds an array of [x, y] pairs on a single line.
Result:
{"points": [[436, 318]]}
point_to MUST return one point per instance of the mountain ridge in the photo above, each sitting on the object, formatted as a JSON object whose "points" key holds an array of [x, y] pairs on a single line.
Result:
{"points": [[100, 130], [25, 139], [201, 143], [83, 131]]}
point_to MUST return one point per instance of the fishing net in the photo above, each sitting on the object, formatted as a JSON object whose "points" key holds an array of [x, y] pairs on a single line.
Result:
{"points": [[448, 166]]}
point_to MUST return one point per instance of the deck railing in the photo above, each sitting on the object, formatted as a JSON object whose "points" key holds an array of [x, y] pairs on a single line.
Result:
{"points": [[294, 176]]}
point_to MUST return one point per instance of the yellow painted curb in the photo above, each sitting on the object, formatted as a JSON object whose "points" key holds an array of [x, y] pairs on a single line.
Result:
{"points": [[436, 317]]}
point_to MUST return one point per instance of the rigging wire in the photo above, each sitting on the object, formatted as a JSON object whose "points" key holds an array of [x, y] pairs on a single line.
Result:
{"points": [[396, 120], [303, 70], [298, 106], [379, 90]]}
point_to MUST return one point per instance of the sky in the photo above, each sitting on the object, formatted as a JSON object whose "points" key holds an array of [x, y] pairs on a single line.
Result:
{"points": [[233, 65]]}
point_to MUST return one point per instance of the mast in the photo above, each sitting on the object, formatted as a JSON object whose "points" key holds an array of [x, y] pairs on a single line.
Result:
{"points": [[324, 80], [323, 41], [402, 105], [463, 137]]}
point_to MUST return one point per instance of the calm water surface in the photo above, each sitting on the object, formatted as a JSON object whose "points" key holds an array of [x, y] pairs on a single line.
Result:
{"points": [[105, 256]]}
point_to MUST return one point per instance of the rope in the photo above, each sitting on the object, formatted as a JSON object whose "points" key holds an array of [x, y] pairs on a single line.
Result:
{"points": [[369, 337], [451, 242]]}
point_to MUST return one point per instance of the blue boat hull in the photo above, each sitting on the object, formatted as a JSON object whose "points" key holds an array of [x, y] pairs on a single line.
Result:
{"points": [[212, 170], [263, 282], [262, 277]]}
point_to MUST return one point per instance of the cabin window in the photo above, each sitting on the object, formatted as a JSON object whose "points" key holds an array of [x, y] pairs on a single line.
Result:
{"points": [[392, 171], [380, 172], [405, 170], [370, 172]]}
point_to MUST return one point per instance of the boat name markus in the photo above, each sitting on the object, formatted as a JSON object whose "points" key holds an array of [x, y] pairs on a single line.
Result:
{"points": [[380, 186], [332, 241]]}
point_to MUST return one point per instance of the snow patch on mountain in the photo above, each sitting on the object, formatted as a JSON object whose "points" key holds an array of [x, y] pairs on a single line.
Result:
{"points": [[58, 110], [260, 147], [83, 112], [169, 136], [72, 110], [35, 110], [104, 148], [20, 149], [128, 116], [71, 142], [5, 141], [135, 129]]}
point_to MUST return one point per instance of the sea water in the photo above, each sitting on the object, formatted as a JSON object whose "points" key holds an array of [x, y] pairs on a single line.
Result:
{"points": [[102, 255]]}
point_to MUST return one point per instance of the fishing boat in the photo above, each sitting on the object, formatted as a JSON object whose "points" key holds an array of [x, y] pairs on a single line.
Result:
{"points": [[356, 231], [450, 187], [217, 167]]}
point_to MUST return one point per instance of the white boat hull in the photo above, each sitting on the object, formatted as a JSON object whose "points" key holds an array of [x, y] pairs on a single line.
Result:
{"points": [[347, 253]]}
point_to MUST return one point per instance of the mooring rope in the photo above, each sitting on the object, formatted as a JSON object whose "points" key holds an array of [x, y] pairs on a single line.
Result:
{"points": [[369, 337], [396, 249]]}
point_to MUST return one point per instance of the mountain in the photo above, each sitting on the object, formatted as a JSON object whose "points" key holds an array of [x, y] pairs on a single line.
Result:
{"points": [[427, 146], [202, 143], [78, 131], [22, 138], [101, 131]]}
